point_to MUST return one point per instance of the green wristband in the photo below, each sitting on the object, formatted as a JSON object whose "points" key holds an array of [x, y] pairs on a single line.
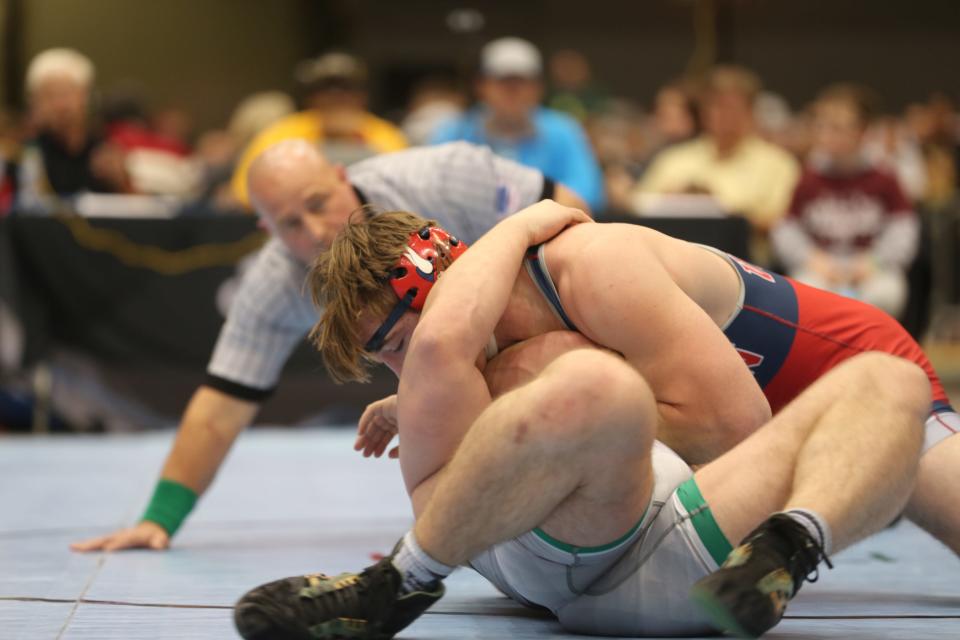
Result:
{"points": [[170, 505]]}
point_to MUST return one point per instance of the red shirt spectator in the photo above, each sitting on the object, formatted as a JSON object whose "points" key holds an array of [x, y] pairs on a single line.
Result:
{"points": [[849, 228], [850, 213]]}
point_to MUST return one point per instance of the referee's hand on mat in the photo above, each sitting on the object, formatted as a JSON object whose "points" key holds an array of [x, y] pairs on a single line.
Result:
{"points": [[145, 535]]}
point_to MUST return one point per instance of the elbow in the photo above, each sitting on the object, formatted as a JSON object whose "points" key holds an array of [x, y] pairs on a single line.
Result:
{"points": [[437, 346], [742, 419]]}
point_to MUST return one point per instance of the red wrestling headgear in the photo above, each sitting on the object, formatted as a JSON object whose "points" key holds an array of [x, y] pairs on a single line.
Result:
{"points": [[428, 252]]}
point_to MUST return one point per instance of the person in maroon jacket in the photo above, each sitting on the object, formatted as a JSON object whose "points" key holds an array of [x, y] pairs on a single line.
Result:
{"points": [[849, 229]]}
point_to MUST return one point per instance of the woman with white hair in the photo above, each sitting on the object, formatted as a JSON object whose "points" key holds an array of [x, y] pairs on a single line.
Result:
{"points": [[67, 154]]}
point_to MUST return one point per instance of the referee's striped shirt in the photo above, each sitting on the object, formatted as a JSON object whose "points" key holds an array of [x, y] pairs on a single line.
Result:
{"points": [[466, 188]]}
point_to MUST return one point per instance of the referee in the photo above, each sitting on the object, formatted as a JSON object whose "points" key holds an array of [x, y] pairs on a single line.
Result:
{"points": [[304, 201]]}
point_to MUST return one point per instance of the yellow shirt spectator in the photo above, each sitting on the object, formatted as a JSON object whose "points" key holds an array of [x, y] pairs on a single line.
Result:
{"points": [[756, 179], [376, 134]]}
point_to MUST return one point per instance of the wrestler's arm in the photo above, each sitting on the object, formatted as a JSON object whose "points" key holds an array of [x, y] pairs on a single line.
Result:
{"points": [[470, 297], [619, 295], [441, 389], [436, 407]]}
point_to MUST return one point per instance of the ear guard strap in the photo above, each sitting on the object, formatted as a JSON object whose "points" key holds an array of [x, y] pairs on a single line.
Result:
{"points": [[375, 343]]}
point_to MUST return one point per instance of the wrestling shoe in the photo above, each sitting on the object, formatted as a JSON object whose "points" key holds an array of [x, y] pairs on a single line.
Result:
{"points": [[748, 594], [347, 606]]}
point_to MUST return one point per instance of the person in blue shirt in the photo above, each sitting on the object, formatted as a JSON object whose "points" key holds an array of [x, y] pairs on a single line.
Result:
{"points": [[510, 120]]}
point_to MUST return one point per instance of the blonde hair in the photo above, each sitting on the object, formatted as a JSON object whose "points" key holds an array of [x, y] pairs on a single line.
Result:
{"points": [[350, 281]]}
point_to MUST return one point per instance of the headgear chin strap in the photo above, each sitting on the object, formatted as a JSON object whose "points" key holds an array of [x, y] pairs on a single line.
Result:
{"points": [[429, 251]]}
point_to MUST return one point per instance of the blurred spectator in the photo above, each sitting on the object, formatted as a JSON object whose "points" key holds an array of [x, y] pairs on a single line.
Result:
{"points": [[258, 111], [675, 114], [745, 174], [217, 150], [946, 119], [620, 142], [129, 123], [336, 118], [675, 118], [572, 89], [946, 123], [7, 181], [215, 158], [433, 101], [627, 140], [850, 228], [173, 123], [934, 126], [891, 146], [510, 121], [778, 124], [9, 148], [772, 116], [67, 154], [157, 163]]}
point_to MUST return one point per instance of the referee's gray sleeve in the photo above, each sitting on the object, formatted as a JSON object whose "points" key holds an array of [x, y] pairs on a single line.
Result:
{"points": [[268, 317], [480, 181], [465, 187], [529, 184]]}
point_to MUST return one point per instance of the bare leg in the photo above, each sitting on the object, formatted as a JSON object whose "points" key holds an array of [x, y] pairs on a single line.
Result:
{"points": [[847, 448], [935, 500], [840, 458], [569, 452]]}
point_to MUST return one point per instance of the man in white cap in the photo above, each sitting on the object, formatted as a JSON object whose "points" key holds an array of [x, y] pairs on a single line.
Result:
{"points": [[510, 121]]}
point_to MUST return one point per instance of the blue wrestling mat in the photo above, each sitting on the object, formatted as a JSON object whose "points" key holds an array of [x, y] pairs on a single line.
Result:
{"points": [[290, 502]]}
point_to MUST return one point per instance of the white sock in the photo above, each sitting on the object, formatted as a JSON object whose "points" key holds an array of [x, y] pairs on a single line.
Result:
{"points": [[814, 523], [418, 569]]}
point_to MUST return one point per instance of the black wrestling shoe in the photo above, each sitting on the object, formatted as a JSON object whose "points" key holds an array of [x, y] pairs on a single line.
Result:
{"points": [[347, 606], [747, 596]]}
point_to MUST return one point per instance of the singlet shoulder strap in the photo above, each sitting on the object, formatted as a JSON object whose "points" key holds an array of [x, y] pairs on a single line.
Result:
{"points": [[536, 264]]}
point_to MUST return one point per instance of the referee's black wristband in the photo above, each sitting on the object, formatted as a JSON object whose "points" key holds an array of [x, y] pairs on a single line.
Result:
{"points": [[237, 390], [549, 189]]}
